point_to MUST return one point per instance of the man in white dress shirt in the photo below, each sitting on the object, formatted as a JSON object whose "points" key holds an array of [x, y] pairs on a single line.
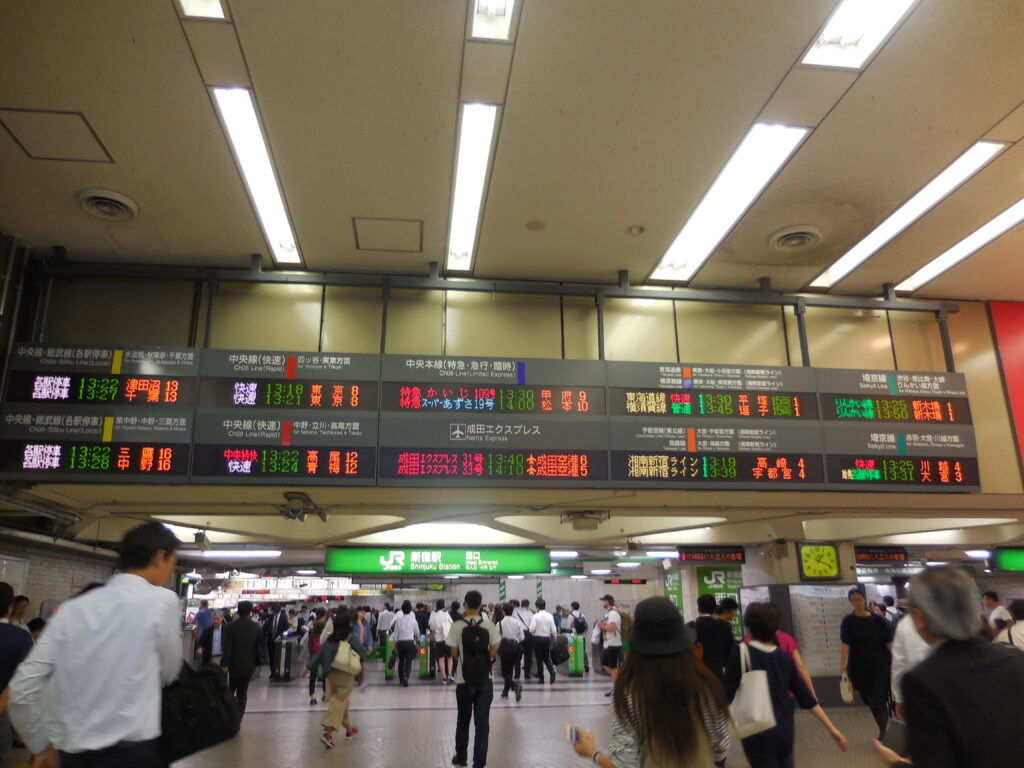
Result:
{"points": [[106, 673], [544, 632], [524, 616]]}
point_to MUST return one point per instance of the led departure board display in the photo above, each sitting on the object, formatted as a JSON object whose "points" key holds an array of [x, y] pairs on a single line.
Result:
{"points": [[712, 554], [100, 460], [746, 405], [925, 472], [871, 555], [525, 466], [99, 389], [720, 468], [283, 462], [321, 395], [917, 410], [245, 416], [480, 399]]}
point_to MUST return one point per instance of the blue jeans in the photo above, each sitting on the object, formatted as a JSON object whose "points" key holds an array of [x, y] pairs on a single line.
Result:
{"points": [[474, 704]]}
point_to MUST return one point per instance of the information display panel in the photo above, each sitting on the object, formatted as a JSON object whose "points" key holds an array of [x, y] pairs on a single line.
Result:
{"points": [[504, 467], [476, 399], [324, 395], [750, 404], [100, 389], [92, 461], [292, 462], [716, 469], [926, 473]]}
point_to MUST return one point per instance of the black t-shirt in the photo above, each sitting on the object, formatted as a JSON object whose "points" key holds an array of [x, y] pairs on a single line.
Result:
{"points": [[716, 637], [15, 645]]}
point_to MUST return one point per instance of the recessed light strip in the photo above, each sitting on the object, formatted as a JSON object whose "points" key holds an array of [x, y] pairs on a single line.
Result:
{"points": [[961, 169], [755, 162], [238, 112], [476, 134], [975, 241], [492, 19], [855, 31], [202, 9], [241, 554]]}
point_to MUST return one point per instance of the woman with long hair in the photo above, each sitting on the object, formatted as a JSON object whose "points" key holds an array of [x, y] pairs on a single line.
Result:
{"points": [[667, 708]]}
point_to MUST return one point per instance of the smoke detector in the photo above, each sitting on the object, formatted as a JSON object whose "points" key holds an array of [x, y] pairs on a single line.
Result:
{"points": [[107, 204], [795, 238]]}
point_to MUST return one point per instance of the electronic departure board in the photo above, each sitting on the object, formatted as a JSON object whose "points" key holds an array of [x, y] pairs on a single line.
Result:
{"points": [[91, 414]]}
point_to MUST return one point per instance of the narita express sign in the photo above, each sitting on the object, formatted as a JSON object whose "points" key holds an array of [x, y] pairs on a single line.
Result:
{"points": [[435, 560]]}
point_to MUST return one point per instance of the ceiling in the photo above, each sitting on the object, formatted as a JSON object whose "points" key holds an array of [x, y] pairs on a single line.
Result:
{"points": [[615, 114]]}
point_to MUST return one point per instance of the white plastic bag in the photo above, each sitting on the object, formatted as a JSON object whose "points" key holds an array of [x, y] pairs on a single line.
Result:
{"points": [[751, 708]]}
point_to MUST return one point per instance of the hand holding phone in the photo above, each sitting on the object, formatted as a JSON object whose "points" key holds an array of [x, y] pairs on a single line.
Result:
{"points": [[572, 733]]}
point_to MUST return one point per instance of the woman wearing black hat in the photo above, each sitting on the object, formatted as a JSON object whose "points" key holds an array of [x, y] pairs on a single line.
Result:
{"points": [[661, 672]]}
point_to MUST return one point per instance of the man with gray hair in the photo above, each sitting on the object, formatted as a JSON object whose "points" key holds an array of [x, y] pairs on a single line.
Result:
{"points": [[964, 702]]}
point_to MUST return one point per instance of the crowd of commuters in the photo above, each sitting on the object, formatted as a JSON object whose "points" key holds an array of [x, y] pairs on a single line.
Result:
{"points": [[950, 674]]}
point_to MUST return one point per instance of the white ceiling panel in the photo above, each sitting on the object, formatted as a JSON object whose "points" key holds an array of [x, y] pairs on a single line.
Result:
{"points": [[126, 66], [951, 72], [620, 114], [359, 103]]}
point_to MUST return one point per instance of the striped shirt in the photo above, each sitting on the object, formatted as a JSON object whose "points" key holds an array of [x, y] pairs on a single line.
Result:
{"points": [[626, 750]]}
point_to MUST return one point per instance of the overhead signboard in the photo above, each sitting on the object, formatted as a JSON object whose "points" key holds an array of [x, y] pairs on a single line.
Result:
{"points": [[1009, 559], [712, 554], [871, 555], [439, 560], [251, 417]]}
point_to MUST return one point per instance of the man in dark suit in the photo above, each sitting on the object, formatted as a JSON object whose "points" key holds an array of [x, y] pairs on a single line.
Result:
{"points": [[244, 646], [964, 702], [714, 635], [211, 641], [278, 624]]}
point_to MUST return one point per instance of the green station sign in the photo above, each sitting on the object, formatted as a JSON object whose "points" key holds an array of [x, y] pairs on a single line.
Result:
{"points": [[429, 560], [1009, 558]]}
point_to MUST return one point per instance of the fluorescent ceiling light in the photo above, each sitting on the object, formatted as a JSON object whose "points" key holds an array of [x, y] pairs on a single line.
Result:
{"points": [[517, 577], [452, 576], [442, 534], [600, 571], [978, 554], [855, 31], [628, 565], [475, 136], [306, 572], [759, 156], [975, 241], [564, 553], [241, 554], [941, 186], [936, 563], [578, 577], [238, 112], [202, 9], [194, 574], [492, 19], [554, 565], [661, 555]]}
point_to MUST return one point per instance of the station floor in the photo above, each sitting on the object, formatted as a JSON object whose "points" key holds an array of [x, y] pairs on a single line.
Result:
{"points": [[415, 726]]}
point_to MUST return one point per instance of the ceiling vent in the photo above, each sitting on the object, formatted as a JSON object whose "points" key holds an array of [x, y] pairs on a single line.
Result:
{"points": [[107, 204], [795, 238]]}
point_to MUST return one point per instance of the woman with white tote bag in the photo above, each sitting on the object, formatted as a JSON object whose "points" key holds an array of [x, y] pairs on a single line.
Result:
{"points": [[772, 746]]}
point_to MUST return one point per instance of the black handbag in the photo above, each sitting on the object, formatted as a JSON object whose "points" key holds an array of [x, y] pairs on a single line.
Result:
{"points": [[198, 711], [560, 651]]}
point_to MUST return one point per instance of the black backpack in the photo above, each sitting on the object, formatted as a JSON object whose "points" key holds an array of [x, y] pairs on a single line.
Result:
{"points": [[475, 653], [580, 625]]}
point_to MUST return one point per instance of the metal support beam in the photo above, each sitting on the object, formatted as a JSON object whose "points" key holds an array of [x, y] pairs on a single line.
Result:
{"points": [[801, 328], [947, 346], [433, 282], [385, 299], [599, 300], [212, 288], [624, 278]]}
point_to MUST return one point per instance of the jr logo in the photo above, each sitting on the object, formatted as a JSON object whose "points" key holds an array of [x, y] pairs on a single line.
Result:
{"points": [[715, 579], [395, 561]]}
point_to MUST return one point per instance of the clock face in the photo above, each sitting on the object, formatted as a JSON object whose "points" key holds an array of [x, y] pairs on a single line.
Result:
{"points": [[819, 561]]}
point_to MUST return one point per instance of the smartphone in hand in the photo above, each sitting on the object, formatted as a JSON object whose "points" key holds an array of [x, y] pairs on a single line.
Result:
{"points": [[572, 733]]}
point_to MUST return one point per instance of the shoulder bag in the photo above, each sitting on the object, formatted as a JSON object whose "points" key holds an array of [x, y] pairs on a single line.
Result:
{"points": [[347, 659], [751, 708]]}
